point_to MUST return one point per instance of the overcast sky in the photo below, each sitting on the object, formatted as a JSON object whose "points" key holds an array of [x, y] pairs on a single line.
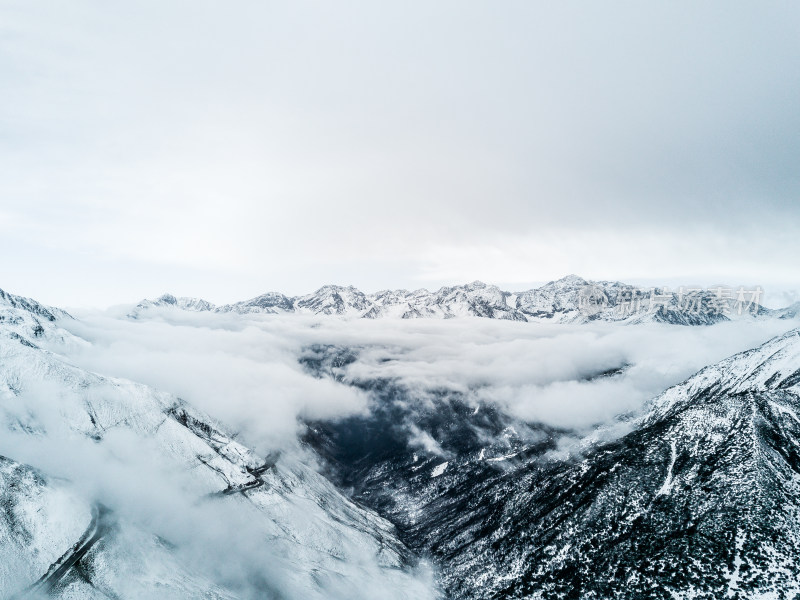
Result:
{"points": [[227, 149]]}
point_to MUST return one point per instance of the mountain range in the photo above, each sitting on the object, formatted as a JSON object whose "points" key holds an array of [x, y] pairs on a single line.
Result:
{"points": [[571, 299], [696, 496]]}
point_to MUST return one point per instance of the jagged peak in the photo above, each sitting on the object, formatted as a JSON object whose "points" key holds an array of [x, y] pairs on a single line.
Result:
{"points": [[567, 280], [266, 296], [332, 287], [178, 302], [464, 287]]}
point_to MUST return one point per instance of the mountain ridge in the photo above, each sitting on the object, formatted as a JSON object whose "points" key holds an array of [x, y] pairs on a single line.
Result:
{"points": [[570, 299]]}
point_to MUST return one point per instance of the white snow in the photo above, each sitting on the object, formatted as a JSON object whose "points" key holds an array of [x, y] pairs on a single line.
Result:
{"points": [[666, 487], [504, 457], [439, 469], [733, 576]]}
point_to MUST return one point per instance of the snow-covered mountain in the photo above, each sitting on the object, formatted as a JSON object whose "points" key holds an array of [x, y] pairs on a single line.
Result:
{"points": [[170, 301], [701, 499], [569, 300], [790, 312], [285, 530], [576, 300], [271, 302], [474, 299], [28, 320]]}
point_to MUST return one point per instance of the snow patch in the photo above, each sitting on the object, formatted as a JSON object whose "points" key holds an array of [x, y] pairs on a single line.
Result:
{"points": [[439, 469], [666, 487]]}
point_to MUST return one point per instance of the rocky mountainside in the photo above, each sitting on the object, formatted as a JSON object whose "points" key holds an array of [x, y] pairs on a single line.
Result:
{"points": [[570, 299], [271, 525], [701, 499]]}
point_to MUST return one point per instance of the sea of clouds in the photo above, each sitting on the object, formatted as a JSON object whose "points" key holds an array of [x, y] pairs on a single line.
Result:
{"points": [[245, 370]]}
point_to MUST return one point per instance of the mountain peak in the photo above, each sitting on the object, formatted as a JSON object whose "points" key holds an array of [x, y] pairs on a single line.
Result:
{"points": [[167, 299], [571, 279], [170, 301]]}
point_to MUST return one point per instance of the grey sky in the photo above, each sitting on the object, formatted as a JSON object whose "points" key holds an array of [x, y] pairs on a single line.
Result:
{"points": [[227, 149]]}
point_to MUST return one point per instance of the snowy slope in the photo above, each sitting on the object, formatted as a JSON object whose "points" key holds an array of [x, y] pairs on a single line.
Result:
{"points": [[308, 540], [29, 321], [59, 545]]}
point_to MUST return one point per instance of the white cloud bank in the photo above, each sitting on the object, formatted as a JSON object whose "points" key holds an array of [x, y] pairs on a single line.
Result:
{"points": [[244, 371]]}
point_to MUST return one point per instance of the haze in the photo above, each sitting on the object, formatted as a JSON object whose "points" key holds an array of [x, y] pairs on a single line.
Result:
{"points": [[226, 150]]}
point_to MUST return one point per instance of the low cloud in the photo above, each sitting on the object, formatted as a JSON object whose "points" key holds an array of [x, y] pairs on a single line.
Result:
{"points": [[244, 373], [244, 370]]}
